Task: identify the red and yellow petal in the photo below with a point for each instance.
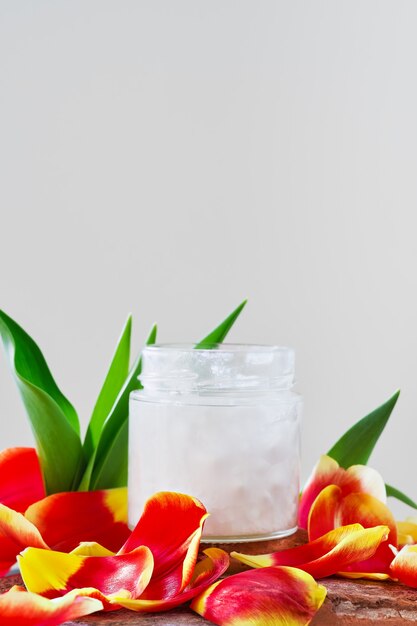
(16, 533)
(377, 567)
(332, 509)
(406, 532)
(321, 519)
(91, 548)
(329, 554)
(209, 569)
(66, 519)
(21, 607)
(171, 527)
(404, 566)
(21, 482)
(356, 479)
(51, 573)
(262, 597)
(362, 508)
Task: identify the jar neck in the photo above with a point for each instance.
(227, 369)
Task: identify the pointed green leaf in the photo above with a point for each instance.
(53, 419)
(356, 445)
(116, 376)
(218, 335)
(107, 455)
(114, 471)
(392, 492)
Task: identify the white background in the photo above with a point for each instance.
(169, 158)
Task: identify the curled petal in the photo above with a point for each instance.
(52, 574)
(332, 509)
(356, 479)
(66, 519)
(171, 526)
(206, 571)
(21, 482)
(404, 566)
(18, 529)
(407, 532)
(21, 607)
(368, 511)
(329, 554)
(271, 595)
(16, 533)
(91, 548)
(321, 519)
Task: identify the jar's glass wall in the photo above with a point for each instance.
(237, 452)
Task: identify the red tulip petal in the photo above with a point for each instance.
(364, 509)
(406, 533)
(170, 527)
(16, 533)
(404, 566)
(206, 572)
(321, 519)
(19, 607)
(331, 509)
(377, 567)
(51, 573)
(21, 482)
(66, 519)
(356, 479)
(18, 529)
(327, 555)
(90, 548)
(262, 597)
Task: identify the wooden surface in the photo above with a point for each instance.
(348, 602)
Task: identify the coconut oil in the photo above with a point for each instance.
(221, 425)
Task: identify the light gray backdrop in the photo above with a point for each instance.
(169, 158)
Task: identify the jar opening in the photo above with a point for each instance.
(222, 368)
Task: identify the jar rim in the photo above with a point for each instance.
(183, 368)
(221, 347)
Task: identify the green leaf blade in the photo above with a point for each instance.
(53, 419)
(109, 455)
(392, 492)
(356, 445)
(116, 376)
(218, 335)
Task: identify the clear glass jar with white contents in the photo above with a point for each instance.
(222, 425)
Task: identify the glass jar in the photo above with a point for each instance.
(222, 425)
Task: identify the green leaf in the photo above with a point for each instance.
(219, 334)
(111, 454)
(392, 492)
(356, 445)
(53, 419)
(116, 376)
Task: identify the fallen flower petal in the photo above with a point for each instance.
(407, 532)
(332, 509)
(355, 479)
(262, 597)
(66, 519)
(171, 527)
(16, 533)
(327, 555)
(206, 571)
(404, 566)
(17, 528)
(21, 482)
(51, 573)
(20, 607)
(91, 548)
